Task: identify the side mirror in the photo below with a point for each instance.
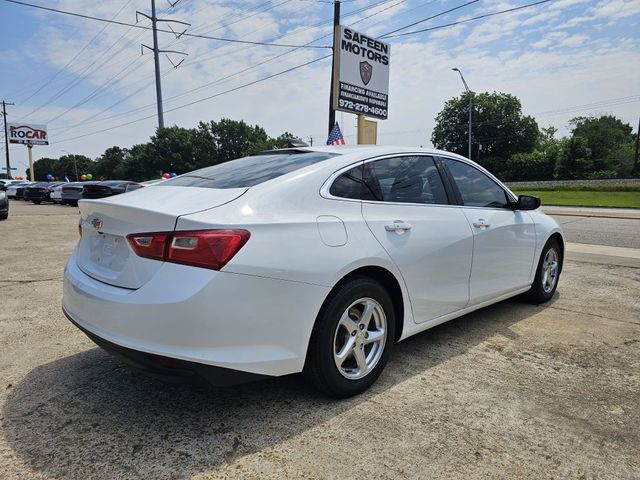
(526, 202)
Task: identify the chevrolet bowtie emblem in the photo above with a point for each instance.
(96, 223)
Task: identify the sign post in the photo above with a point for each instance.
(31, 175)
(361, 76)
(28, 135)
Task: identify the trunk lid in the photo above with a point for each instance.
(104, 252)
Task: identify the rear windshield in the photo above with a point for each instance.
(248, 171)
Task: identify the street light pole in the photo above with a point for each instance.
(470, 106)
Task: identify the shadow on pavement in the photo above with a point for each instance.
(88, 416)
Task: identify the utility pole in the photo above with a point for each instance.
(336, 24)
(636, 161)
(6, 136)
(156, 53)
(470, 94)
(156, 61)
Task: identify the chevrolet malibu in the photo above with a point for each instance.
(313, 260)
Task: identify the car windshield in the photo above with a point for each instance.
(248, 171)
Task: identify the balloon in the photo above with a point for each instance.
(52, 178)
(83, 177)
(49, 177)
(166, 175)
(89, 176)
(174, 174)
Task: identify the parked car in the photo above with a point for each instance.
(109, 188)
(4, 204)
(15, 191)
(313, 260)
(5, 182)
(72, 192)
(56, 194)
(40, 192)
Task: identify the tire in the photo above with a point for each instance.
(339, 332)
(73, 203)
(63, 202)
(37, 202)
(4, 216)
(547, 273)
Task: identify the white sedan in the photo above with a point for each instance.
(313, 260)
(56, 194)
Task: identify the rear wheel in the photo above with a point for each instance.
(73, 203)
(352, 339)
(37, 202)
(547, 274)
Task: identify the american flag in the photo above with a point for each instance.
(335, 137)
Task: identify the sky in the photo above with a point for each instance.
(90, 84)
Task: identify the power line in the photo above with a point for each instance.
(509, 10)
(133, 25)
(83, 75)
(429, 18)
(221, 80)
(201, 99)
(52, 78)
(110, 83)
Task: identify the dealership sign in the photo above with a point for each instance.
(27, 134)
(361, 68)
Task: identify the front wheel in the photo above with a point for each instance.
(547, 274)
(37, 202)
(352, 339)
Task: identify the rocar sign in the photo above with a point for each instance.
(27, 134)
(362, 74)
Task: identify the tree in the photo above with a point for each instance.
(499, 128)
(73, 166)
(606, 137)
(43, 167)
(575, 160)
(109, 162)
(229, 139)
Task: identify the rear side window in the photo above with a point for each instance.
(476, 189)
(406, 180)
(248, 171)
(351, 184)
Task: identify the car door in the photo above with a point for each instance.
(504, 239)
(407, 210)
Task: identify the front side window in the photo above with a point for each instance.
(476, 188)
(410, 179)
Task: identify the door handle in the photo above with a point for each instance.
(397, 226)
(481, 223)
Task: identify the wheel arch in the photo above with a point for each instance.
(388, 280)
(557, 236)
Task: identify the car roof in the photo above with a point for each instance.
(369, 150)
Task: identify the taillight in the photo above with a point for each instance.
(199, 248)
(149, 245)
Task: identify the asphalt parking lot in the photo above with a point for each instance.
(511, 391)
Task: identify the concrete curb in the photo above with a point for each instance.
(622, 214)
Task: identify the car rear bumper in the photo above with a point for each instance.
(238, 322)
(171, 369)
